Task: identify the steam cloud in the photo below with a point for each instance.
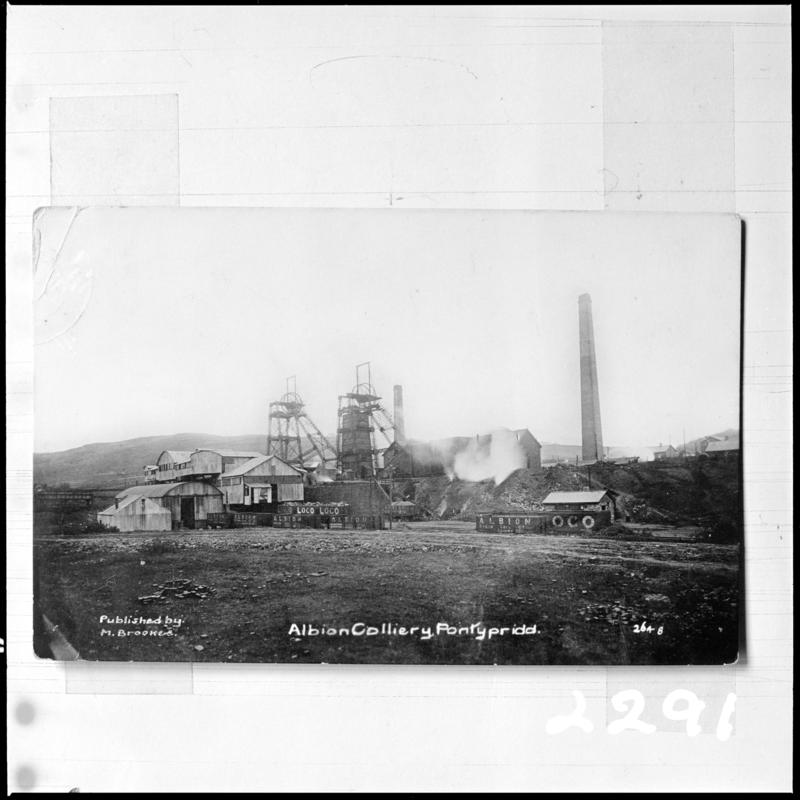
(495, 456)
(315, 474)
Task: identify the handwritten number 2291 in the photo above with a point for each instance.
(681, 705)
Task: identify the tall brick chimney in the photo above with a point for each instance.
(399, 419)
(591, 429)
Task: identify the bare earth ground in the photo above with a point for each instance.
(584, 595)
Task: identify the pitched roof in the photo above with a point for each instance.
(177, 456)
(243, 469)
(594, 496)
(124, 502)
(230, 453)
(723, 446)
(161, 489)
(521, 431)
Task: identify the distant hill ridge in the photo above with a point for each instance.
(107, 464)
(110, 463)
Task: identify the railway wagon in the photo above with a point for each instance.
(333, 510)
(239, 519)
(295, 521)
(511, 523)
(220, 519)
(327, 521)
(543, 522)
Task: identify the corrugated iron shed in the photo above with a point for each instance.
(125, 501)
(230, 453)
(164, 489)
(250, 465)
(175, 456)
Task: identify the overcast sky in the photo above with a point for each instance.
(158, 321)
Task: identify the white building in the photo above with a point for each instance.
(263, 479)
(136, 513)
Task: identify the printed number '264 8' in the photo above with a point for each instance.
(646, 627)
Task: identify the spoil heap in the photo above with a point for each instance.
(703, 491)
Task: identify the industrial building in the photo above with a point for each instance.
(203, 464)
(727, 448)
(577, 502)
(415, 459)
(188, 503)
(136, 513)
(301, 464)
(528, 443)
(361, 415)
(702, 444)
(245, 478)
(262, 480)
(363, 497)
(662, 453)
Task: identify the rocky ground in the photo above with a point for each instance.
(238, 593)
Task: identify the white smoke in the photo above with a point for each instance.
(317, 474)
(495, 456)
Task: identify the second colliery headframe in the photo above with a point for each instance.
(366, 429)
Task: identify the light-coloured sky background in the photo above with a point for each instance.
(192, 319)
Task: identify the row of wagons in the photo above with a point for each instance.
(306, 515)
(547, 522)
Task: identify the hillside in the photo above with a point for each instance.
(113, 463)
(570, 453)
(108, 464)
(693, 445)
(705, 491)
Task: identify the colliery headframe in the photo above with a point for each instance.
(371, 452)
(293, 436)
(361, 416)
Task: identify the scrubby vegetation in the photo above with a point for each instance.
(701, 492)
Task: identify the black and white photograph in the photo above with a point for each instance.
(354, 436)
(399, 398)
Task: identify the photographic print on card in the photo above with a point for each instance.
(387, 436)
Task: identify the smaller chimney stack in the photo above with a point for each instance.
(399, 419)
